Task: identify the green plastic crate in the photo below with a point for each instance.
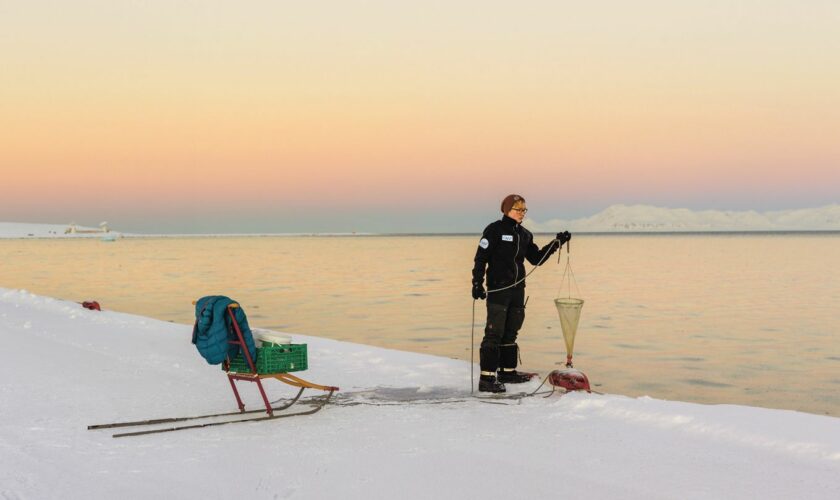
(278, 358)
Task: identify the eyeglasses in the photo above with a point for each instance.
(520, 210)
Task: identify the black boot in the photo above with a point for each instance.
(514, 377)
(509, 356)
(488, 383)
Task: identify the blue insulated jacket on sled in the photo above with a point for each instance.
(213, 329)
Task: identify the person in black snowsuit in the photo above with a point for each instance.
(502, 251)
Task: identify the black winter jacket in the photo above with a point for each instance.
(502, 250)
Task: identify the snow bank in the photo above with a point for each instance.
(404, 425)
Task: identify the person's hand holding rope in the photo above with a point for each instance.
(478, 292)
(563, 237)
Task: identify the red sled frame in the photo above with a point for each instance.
(257, 378)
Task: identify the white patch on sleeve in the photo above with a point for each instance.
(507, 237)
(484, 243)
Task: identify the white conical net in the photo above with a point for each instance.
(569, 311)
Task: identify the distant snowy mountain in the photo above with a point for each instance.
(616, 218)
(647, 218)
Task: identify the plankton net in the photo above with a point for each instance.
(568, 308)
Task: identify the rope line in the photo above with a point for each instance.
(500, 399)
(472, 351)
(568, 269)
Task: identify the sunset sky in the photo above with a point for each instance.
(212, 116)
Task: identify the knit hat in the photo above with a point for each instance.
(509, 201)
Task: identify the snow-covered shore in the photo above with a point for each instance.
(403, 425)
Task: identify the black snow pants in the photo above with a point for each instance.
(505, 315)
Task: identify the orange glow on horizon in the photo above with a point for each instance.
(342, 106)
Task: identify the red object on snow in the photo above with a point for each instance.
(570, 379)
(92, 305)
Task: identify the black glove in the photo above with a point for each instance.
(478, 291)
(563, 237)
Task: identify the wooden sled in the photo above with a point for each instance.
(254, 376)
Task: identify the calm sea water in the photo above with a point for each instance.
(741, 318)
